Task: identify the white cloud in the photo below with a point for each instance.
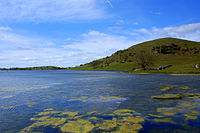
(24, 50)
(96, 44)
(50, 10)
(155, 13)
(188, 31)
(136, 23)
(93, 33)
(120, 22)
(5, 29)
(10, 39)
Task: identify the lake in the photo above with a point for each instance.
(96, 101)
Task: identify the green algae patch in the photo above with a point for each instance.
(90, 113)
(131, 119)
(31, 104)
(49, 109)
(44, 122)
(93, 118)
(70, 114)
(11, 107)
(108, 124)
(124, 112)
(5, 97)
(26, 88)
(184, 88)
(77, 99)
(75, 122)
(195, 112)
(168, 111)
(128, 128)
(4, 91)
(84, 97)
(167, 88)
(49, 113)
(192, 117)
(97, 99)
(51, 118)
(167, 96)
(189, 105)
(158, 116)
(79, 126)
(165, 120)
(192, 95)
(111, 98)
(78, 117)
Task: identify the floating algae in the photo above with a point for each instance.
(10, 107)
(168, 88)
(191, 106)
(5, 97)
(158, 116)
(131, 119)
(101, 98)
(193, 117)
(84, 97)
(111, 98)
(31, 104)
(78, 99)
(49, 113)
(129, 128)
(23, 88)
(93, 112)
(108, 124)
(167, 96)
(192, 95)
(124, 112)
(170, 111)
(89, 122)
(50, 118)
(165, 120)
(40, 118)
(93, 118)
(194, 112)
(79, 126)
(4, 91)
(70, 114)
(49, 109)
(184, 88)
(44, 122)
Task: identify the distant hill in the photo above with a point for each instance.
(35, 68)
(182, 54)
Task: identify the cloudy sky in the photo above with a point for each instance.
(72, 32)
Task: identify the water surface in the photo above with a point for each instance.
(26, 94)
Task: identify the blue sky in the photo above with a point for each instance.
(73, 32)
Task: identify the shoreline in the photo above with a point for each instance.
(129, 72)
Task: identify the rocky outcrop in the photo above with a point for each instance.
(167, 96)
(158, 68)
(197, 66)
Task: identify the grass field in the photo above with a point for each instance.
(182, 58)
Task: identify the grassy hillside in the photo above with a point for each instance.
(182, 54)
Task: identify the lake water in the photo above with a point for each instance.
(87, 101)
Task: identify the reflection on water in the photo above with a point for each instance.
(75, 101)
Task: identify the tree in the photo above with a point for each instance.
(143, 58)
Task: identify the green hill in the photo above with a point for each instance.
(181, 54)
